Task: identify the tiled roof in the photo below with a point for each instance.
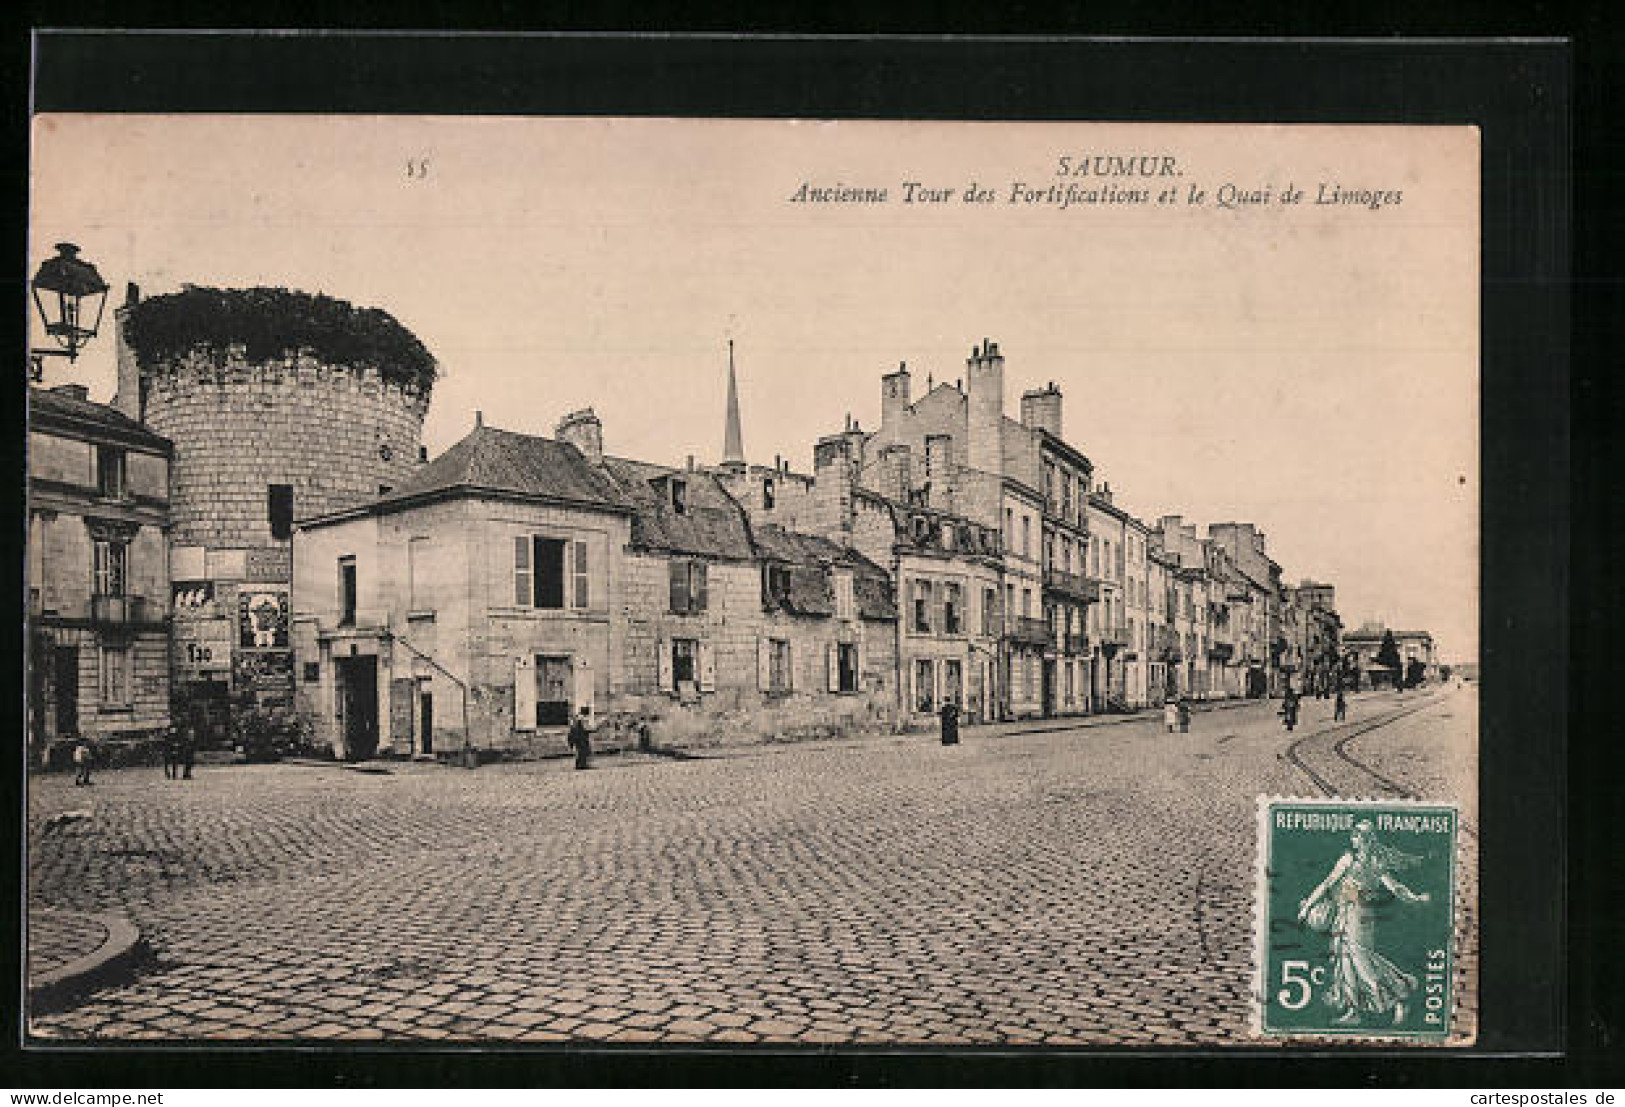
(48, 409)
(493, 460)
(711, 523)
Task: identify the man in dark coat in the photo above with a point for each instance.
(580, 738)
(950, 723)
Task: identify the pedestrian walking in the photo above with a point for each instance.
(188, 750)
(1340, 707)
(580, 738)
(1184, 714)
(1289, 709)
(1170, 715)
(172, 753)
(81, 763)
(950, 723)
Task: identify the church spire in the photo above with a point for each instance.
(733, 444)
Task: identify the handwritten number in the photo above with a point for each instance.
(417, 168)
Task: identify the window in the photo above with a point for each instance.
(581, 590)
(688, 587)
(845, 608)
(549, 573)
(279, 510)
(115, 676)
(347, 587)
(922, 607)
(417, 584)
(925, 686)
(778, 665)
(1009, 527)
(952, 608)
(679, 496)
(1010, 599)
(1026, 536)
(846, 662)
(767, 494)
(555, 680)
(110, 472)
(684, 652)
(990, 610)
(111, 567)
(1026, 603)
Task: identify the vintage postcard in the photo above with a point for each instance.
(586, 581)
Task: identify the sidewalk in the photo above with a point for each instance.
(1076, 722)
(71, 953)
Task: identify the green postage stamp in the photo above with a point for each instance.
(1356, 905)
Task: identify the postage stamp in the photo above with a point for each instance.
(1355, 906)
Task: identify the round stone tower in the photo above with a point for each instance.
(281, 406)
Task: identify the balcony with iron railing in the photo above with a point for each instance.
(1072, 585)
(1114, 636)
(1028, 631)
(119, 611)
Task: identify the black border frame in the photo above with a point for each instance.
(1518, 92)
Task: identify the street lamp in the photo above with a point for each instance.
(68, 292)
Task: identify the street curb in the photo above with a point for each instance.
(123, 948)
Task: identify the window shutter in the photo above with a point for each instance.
(832, 667)
(679, 587)
(585, 694)
(857, 682)
(522, 594)
(789, 666)
(764, 665)
(663, 664)
(700, 597)
(582, 594)
(707, 662)
(524, 693)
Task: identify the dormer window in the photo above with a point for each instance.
(679, 495)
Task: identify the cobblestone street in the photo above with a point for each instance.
(1066, 886)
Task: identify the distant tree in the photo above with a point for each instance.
(1444, 672)
(1388, 652)
(1415, 671)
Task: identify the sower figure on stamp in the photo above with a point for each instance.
(1363, 980)
(580, 738)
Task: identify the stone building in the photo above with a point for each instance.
(517, 579)
(953, 458)
(280, 405)
(474, 604)
(1363, 643)
(1108, 630)
(97, 573)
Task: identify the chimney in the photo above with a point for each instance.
(127, 397)
(896, 468)
(939, 470)
(894, 395)
(583, 430)
(984, 430)
(834, 478)
(1041, 409)
(479, 418)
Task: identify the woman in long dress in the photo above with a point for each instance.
(1363, 980)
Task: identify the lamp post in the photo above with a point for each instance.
(68, 292)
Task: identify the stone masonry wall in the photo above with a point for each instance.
(333, 433)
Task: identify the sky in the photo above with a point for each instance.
(1309, 367)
